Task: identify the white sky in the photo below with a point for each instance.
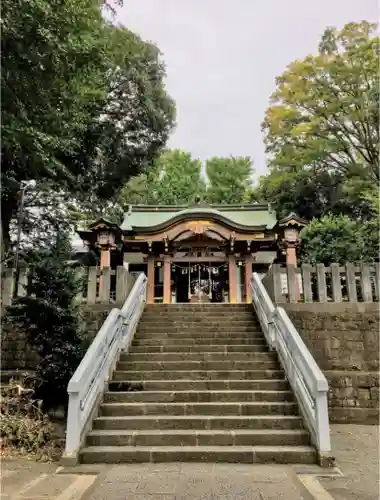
(222, 57)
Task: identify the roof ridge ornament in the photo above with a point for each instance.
(199, 201)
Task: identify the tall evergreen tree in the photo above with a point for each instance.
(229, 179)
(174, 179)
(50, 318)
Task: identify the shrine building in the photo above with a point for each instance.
(198, 253)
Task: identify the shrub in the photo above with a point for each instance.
(337, 238)
(22, 423)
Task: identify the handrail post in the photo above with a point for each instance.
(272, 332)
(322, 419)
(73, 430)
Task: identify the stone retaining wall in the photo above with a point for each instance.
(344, 340)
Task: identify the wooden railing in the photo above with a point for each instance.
(106, 286)
(334, 283)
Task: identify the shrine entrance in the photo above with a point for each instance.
(200, 282)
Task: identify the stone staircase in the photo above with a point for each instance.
(198, 384)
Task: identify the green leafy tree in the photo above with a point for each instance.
(50, 318)
(52, 65)
(337, 238)
(312, 194)
(229, 179)
(137, 191)
(134, 123)
(84, 104)
(174, 179)
(324, 118)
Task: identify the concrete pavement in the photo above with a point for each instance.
(355, 447)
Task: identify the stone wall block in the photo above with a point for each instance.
(375, 393)
(374, 380)
(364, 393)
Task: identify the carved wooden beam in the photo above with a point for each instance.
(232, 241)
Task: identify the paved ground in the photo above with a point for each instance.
(197, 481)
(355, 447)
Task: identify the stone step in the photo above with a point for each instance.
(198, 312)
(198, 375)
(159, 357)
(190, 437)
(196, 396)
(183, 338)
(190, 329)
(199, 341)
(263, 364)
(183, 307)
(257, 346)
(200, 385)
(196, 319)
(213, 408)
(205, 422)
(227, 454)
(221, 334)
(199, 319)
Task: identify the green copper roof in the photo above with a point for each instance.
(147, 218)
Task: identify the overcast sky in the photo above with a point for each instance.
(222, 57)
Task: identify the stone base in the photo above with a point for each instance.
(196, 299)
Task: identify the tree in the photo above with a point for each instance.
(52, 64)
(324, 116)
(134, 123)
(84, 104)
(174, 179)
(229, 179)
(312, 194)
(49, 317)
(337, 238)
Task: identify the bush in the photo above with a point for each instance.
(23, 426)
(337, 238)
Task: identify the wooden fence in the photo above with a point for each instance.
(106, 286)
(319, 283)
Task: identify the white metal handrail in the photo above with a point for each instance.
(304, 375)
(91, 376)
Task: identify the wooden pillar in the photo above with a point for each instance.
(232, 278)
(291, 258)
(167, 280)
(105, 257)
(248, 277)
(105, 261)
(150, 280)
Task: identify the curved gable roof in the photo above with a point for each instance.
(247, 217)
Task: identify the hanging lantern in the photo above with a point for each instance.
(158, 264)
(291, 234)
(105, 237)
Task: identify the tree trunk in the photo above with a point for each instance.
(8, 211)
